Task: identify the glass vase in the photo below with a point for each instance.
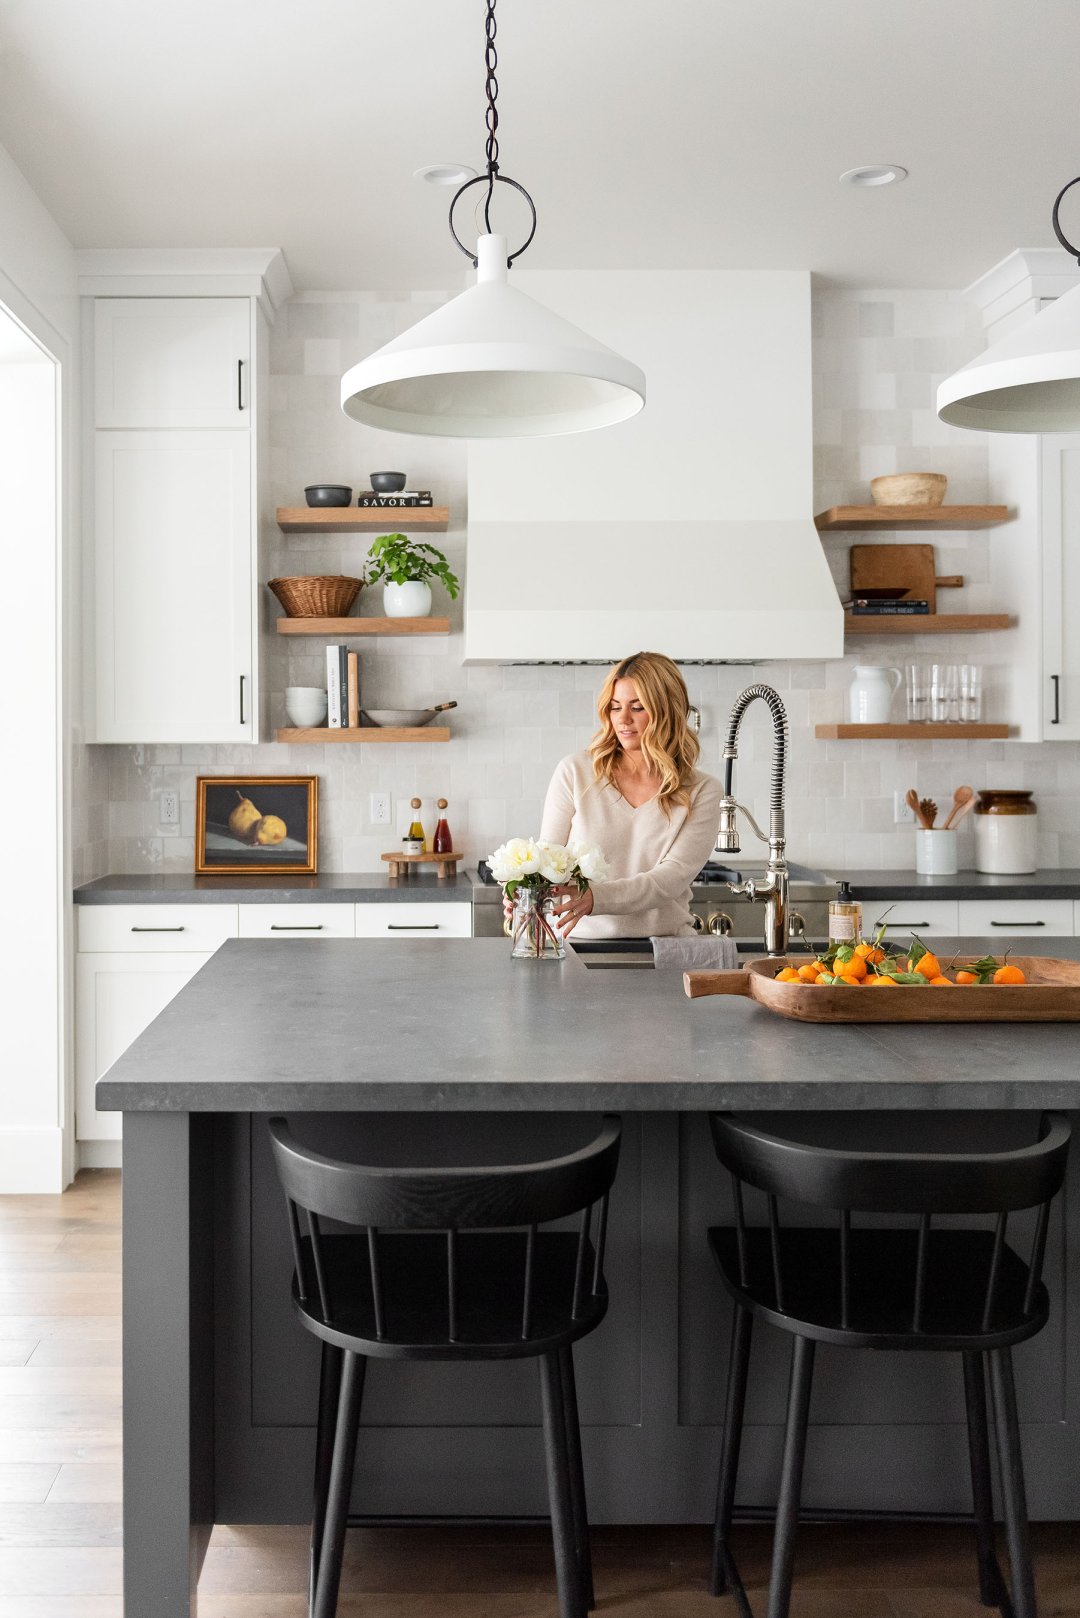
(533, 929)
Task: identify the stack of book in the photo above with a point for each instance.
(407, 497)
(342, 688)
(863, 608)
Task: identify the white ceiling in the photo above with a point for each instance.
(696, 133)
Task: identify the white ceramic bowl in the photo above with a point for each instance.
(306, 705)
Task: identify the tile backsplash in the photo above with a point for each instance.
(878, 357)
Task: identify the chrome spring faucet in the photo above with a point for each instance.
(773, 888)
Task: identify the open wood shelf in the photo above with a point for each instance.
(927, 623)
(363, 626)
(856, 519)
(362, 519)
(912, 732)
(364, 733)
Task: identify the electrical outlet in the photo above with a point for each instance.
(902, 814)
(380, 808)
(169, 809)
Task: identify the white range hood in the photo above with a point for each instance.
(686, 530)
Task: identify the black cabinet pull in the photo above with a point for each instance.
(1055, 680)
(243, 677)
(296, 926)
(1018, 924)
(412, 926)
(922, 924)
(157, 929)
(239, 384)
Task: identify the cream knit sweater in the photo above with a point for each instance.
(653, 857)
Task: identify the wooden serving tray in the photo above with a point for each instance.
(1051, 994)
(447, 863)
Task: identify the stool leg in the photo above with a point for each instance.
(1011, 1460)
(982, 1493)
(738, 1366)
(341, 1471)
(577, 1475)
(572, 1603)
(787, 1508)
(329, 1392)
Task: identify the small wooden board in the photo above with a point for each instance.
(1051, 994)
(875, 567)
(447, 863)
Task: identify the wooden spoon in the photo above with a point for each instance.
(958, 814)
(929, 812)
(961, 796)
(914, 804)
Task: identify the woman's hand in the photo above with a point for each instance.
(570, 906)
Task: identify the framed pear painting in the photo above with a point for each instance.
(258, 824)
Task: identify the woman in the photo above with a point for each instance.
(636, 794)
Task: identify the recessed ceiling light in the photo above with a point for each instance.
(874, 174)
(445, 173)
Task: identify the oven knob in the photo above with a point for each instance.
(698, 922)
(720, 922)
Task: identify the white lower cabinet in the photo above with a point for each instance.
(929, 918)
(409, 920)
(1017, 918)
(297, 921)
(116, 997)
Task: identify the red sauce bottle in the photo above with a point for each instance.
(443, 843)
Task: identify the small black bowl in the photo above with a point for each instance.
(387, 482)
(327, 494)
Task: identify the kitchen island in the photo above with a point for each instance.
(419, 1052)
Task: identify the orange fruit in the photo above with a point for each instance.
(966, 977)
(863, 949)
(809, 973)
(849, 977)
(880, 981)
(1009, 974)
(855, 968)
(941, 982)
(788, 975)
(927, 966)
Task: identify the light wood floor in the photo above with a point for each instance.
(60, 1528)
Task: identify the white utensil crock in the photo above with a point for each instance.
(870, 694)
(409, 600)
(935, 852)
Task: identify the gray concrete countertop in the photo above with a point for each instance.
(1064, 884)
(335, 887)
(357, 1025)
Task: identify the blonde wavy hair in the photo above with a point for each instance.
(670, 747)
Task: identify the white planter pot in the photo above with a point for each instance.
(409, 600)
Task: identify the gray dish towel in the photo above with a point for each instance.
(709, 953)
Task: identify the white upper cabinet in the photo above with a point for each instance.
(1060, 477)
(172, 362)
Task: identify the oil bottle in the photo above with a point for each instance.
(442, 843)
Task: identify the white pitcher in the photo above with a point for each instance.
(871, 693)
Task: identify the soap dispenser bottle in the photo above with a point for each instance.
(845, 916)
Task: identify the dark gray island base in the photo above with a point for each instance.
(424, 1052)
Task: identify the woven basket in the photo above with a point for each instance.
(324, 595)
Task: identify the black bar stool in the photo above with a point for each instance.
(962, 1290)
(448, 1264)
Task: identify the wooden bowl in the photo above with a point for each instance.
(909, 489)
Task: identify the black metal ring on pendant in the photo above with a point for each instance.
(484, 179)
(1058, 232)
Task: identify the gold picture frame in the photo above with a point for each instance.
(277, 835)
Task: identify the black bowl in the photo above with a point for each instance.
(327, 494)
(387, 482)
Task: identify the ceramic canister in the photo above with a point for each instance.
(1006, 832)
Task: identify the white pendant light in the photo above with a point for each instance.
(493, 362)
(1029, 382)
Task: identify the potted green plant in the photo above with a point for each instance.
(405, 566)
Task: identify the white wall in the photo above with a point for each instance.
(38, 406)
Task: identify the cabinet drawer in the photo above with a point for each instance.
(1047, 918)
(930, 918)
(414, 921)
(143, 929)
(297, 921)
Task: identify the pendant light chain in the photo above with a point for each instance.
(491, 115)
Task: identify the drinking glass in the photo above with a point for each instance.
(970, 675)
(944, 693)
(917, 677)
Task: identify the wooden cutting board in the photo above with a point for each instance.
(1051, 994)
(876, 567)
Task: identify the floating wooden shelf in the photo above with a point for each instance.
(363, 626)
(911, 732)
(855, 519)
(927, 623)
(361, 519)
(365, 733)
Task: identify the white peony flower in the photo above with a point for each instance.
(590, 862)
(515, 859)
(556, 862)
